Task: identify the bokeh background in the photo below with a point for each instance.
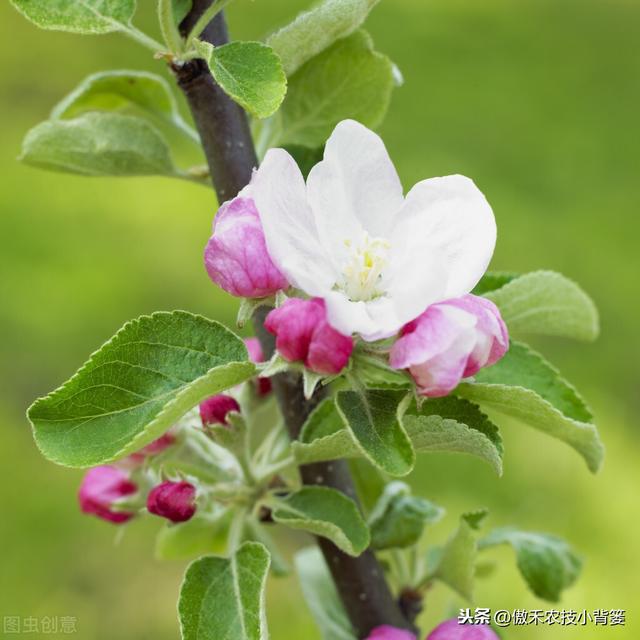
(537, 100)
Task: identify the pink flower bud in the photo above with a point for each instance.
(450, 341)
(255, 355)
(173, 500)
(101, 487)
(236, 255)
(303, 334)
(156, 447)
(214, 410)
(451, 630)
(385, 632)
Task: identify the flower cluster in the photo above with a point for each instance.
(371, 263)
(116, 492)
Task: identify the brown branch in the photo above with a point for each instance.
(228, 147)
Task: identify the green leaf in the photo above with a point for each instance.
(224, 598)
(527, 387)
(316, 29)
(493, 280)
(78, 16)
(454, 425)
(548, 303)
(327, 513)
(323, 421)
(136, 386)
(99, 144)
(305, 157)
(347, 80)
(180, 9)
(372, 418)
(258, 532)
(116, 90)
(324, 436)
(321, 596)
(547, 563)
(198, 536)
(457, 560)
(398, 519)
(373, 373)
(442, 424)
(369, 482)
(249, 72)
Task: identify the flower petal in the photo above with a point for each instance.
(451, 218)
(290, 231)
(236, 256)
(373, 320)
(431, 334)
(354, 188)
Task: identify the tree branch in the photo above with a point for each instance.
(221, 123)
(231, 157)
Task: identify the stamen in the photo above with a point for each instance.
(363, 269)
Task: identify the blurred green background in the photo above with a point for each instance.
(537, 100)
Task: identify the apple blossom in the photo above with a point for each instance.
(450, 341)
(303, 334)
(263, 385)
(173, 500)
(236, 257)
(386, 632)
(350, 237)
(452, 630)
(214, 410)
(101, 488)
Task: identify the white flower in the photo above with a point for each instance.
(349, 236)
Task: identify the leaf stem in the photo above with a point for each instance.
(168, 26)
(205, 19)
(141, 38)
(272, 470)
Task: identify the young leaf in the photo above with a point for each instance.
(249, 72)
(99, 144)
(194, 538)
(548, 303)
(457, 560)
(375, 374)
(443, 424)
(224, 598)
(136, 386)
(321, 596)
(373, 421)
(527, 387)
(305, 157)
(78, 16)
(323, 421)
(493, 280)
(369, 482)
(258, 532)
(548, 564)
(327, 513)
(347, 80)
(180, 9)
(398, 519)
(115, 90)
(454, 425)
(316, 29)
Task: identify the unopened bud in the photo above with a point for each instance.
(214, 410)
(102, 487)
(173, 500)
